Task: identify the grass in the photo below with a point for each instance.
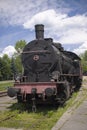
(5, 84)
(44, 119)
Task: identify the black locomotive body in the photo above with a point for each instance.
(50, 73)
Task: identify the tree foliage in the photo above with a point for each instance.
(10, 67)
(20, 45)
(5, 68)
(84, 62)
(17, 56)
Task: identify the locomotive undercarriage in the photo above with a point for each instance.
(58, 93)
(34, 99)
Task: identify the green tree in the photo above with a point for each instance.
(84, 61)
(19, 48)
(20, 45)
(1, 67)
(5, 71)
(13, 67)
(10, 67)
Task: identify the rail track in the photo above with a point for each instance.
(7, 118)
(3, 93)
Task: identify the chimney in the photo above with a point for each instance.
(39, 29)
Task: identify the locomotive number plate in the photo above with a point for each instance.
(36, 57)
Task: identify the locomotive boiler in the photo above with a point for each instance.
(50, 74)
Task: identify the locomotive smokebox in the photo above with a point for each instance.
(39, 29)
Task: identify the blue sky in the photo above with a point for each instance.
(65, 21)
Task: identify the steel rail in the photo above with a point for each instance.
(3, 93)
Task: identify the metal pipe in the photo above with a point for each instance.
(39, 29)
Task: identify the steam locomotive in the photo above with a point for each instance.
(50, 75)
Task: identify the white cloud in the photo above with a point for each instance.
(74, 36)
(49, 18)
(9, 50)
(60, 26)
(53, 14)
(18, 11)
(81, 49)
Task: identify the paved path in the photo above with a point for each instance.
(2, 128)
(77, 121)
(6, 102)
